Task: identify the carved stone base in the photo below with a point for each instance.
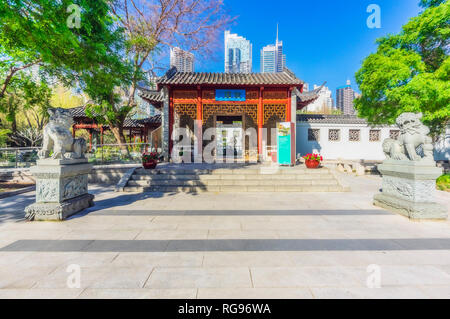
(412, 210)
(409, 189)
(58, 211)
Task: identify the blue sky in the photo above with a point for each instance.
(324, 40)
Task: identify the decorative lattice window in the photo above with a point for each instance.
(274, 111)
(394, 134)
(374, 135)
(313, 135)
(334, 135)
(354, 135)
(186, 109)
(230, 109)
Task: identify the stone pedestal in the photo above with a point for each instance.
(61, 189)
(409, 189)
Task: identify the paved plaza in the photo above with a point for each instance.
(211, 245)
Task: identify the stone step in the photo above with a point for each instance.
(234, 189)
(273, 177)
(181, 183)
(239, 172)
(221, 182)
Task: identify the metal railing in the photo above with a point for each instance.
(18, 157)
(101, 154)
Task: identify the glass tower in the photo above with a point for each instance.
(272, 58)
(238, 54)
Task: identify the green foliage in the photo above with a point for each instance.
(430, 3)
(4, 136)
(38, 31)
(22, 94)
(88, 56)
(443, 183)
(410, 71)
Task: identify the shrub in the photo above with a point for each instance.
(443, 183)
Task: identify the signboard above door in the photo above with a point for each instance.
(230, 95)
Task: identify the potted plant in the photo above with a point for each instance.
(150, 160)
(313, 160)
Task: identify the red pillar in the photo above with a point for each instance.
(199, 133)
(293, 126)
(90, 139)
(101, 134)
(171, 120)
(260, 121)
(289, 110)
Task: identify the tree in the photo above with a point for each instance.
(41, 33)
(151, 27)
(79, 54)
(25, 103)
(410, 71)
(65, 98)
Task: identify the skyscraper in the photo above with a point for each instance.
(238, 54)
(272, 58)
(344, 99)
(324, 103)
(182, 60)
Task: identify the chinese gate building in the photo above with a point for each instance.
(230, 104)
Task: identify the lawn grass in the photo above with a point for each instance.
(443, 183)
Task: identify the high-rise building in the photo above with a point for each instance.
(272, 58)
(182, 60)
(344, 99)
(324, 103)
(238, 54)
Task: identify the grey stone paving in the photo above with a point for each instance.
(229, 246)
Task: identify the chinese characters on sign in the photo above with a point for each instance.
(230, 95)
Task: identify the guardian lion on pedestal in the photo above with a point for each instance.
(58, 138)
(413, 137)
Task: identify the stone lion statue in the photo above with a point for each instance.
(413, 143)
(57, 137)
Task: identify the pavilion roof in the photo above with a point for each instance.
(79, 112)
(306, 98)
(151, 95)
(173, 77)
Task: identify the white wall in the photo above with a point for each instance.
(362, 150)
(343, 149)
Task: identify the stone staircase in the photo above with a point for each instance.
(233, 180)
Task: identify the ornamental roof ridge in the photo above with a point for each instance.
(173, 77)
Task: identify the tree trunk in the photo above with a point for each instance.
(117, 130)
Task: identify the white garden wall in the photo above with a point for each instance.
(360, 150)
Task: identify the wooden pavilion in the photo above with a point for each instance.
(136, 128)
(215, 100)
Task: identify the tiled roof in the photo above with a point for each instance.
(306, 98)
(151, 96)
(129, 123)
(172, 77)
(330, 119)
(152, 120)
(78, 111)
